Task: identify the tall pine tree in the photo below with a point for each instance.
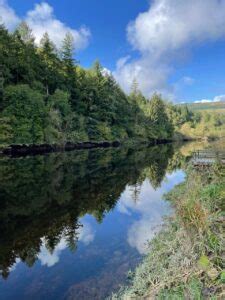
(69, 67)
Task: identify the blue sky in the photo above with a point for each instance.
(106, 19)
(174, 47)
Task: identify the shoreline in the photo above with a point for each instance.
(33, 149)
(186, 258)
(23, 150)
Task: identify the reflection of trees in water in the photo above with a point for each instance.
(156, 170)
(136, 190)
(44, 196)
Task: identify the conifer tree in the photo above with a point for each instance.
(51, 64)
(69, 66)
(160, 121)
(25, 33)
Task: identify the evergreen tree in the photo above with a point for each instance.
(69, 66)
(51, 64)
(24, 31)
(25, 62)
(160, 122)
(134, 88)
(47, 97)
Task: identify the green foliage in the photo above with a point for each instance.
(161, 125)
(192, 290)
(204, 262)
(26, 112)
(222, 277)
(77, 104)
(196, 121)
(51, 64)
(5, 130)
(25, 33)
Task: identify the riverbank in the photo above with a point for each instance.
(186, 259)
(33, 149)
(17, 150)
(20, 150)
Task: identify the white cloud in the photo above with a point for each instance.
(148, 73)
(143, 231)
(86, 233)
(8, 15)
(42, 19)
(50, 259)
(122, 61)
(163, 33)
(215, 99)
(106, 72)
(187, 80)
(151, 209)
(13, 267)
(203, 101)
(170, 24)
(219, 98)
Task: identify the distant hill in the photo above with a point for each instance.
(211, 106)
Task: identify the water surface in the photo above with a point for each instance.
(73, 224)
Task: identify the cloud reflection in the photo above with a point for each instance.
(150, 208)
(49, 259)
(13, 267)
(86, 233)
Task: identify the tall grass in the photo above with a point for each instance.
(186, 259)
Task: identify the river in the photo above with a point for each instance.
(73, 224)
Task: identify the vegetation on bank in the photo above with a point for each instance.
(207, 120)
(47, 97)
(208, 125)
(186, 259)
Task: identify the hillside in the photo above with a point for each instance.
(211, 106)
(206, 120)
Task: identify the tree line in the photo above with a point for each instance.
(47, 97)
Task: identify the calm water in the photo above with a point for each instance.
(73, 224)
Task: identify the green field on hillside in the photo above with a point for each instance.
(215, 106)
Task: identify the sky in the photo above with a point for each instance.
(174, 47)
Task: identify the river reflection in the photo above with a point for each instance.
(151, 209)
(72, 224)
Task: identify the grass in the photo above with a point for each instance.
(186, 259)
(216, 106)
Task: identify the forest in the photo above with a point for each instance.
(47, 97)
